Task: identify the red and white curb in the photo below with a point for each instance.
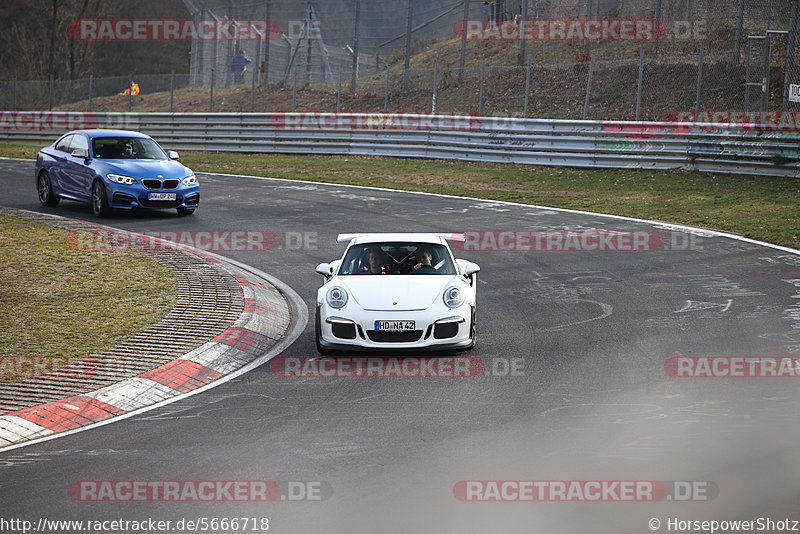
(263, 322)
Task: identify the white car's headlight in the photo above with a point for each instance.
(121, 179)
(453, 297)
(190, 180)
(336, 297)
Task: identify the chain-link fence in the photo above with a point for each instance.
(694, 67)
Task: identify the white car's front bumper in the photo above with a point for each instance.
(355, 329)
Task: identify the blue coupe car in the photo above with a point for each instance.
(114, 169)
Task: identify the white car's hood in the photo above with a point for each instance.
(396, 292)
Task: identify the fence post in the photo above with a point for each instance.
(639, 83)
(211, 93)
(587, 17)
(130, 92)
(435, 75)
(339, 94)
(253, 91)
(765, 71)
(91, 82)
(791, 46)
(51, 93)
(171, 89)
(354, 74)
(407, 59)
(522, 23)
(699, 81)
(386, 95)
(588, 87)
(463, 52)
(14, 105)
(480, 97)
(294, 92)
(738, 39)
(527, 88)
(265, 81)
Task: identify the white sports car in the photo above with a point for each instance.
(396, 291)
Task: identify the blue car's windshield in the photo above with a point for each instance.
(126, 148)
(397, 258)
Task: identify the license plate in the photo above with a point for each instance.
(394, 326)
(162, 196)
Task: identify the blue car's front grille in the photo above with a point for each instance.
(171, 184)
(151, 183)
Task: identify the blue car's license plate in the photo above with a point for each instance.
(161, 196)
(394, 326)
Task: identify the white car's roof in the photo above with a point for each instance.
(410, 237)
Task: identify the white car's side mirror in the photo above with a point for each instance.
(325, 269)
(468, 268)
(80, 153)
(173, 155)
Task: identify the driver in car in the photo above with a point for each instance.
(424, 258)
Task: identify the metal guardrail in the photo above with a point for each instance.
(762, 149)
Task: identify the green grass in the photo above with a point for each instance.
(58, 302)
(760, 207)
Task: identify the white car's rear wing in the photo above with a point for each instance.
(341, 238)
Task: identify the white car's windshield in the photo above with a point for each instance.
(397, 258)
(126, 148)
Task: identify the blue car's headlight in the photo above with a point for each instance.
(121, 179)
(453, 298)
(190, 180)
(336, 297)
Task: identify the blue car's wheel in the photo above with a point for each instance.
(45, 190)
(100, 206)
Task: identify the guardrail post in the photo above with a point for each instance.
(91, 80)
(527, 88)
(480, 96)
(435, 73)
(171, 88)
(588, 87)
(211, 93)
(639, 83)
(699, 81)
(386, 95)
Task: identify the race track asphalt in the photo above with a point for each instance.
(591, 400)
